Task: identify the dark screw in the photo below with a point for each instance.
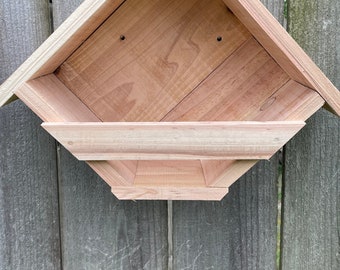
(219, 38)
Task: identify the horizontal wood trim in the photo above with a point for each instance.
(284, 49)
(51, 100)
(164, 173)
(169, 193)
(292, 102)
(173, 140)
(58, 47)
(223, 173)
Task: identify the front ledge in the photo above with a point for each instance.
(172, 160)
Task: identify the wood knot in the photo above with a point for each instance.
(267, 103)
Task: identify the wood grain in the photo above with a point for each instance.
(312, 177)
(97, 230)
(29, 218)
(175, 193)
(258, 97)
(53, 101)
(223, 173)
(240, 231)
(170, 180)
(235, 89)
(178, 140)
(312, 171)
(174, 173)
(169, 48)
(100, 232)
(286, 52)
(46, 95)
(242, 75)
(59, 45)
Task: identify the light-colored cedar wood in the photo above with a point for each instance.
(279, 100)
(52, 101)
(223, 173)
(169, 193)
(242, 227)
(46, 94)
(170, 173)
(170, 179)
(235, 90)
(128, 72)
(54, 51)
(115, 173)
(246, 70)
(282, 47)
(169, 48)
(97, 230)
(230, 31)
(173, 140)
(292, 102)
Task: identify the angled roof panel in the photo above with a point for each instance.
(60, 45)
(284, 49)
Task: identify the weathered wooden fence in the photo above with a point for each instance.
(55, 213)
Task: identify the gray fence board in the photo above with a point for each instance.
(312, 178)
(98, 231)
(29, 225)
(23, 27)
(62, 9)
(238, 233)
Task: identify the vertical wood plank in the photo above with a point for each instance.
(24, 26)
(100, 232)
(97, 230)
(62, 9)
(237, 233)
(29, 224)
(240, 231)
(312, 176)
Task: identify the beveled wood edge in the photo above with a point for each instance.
(284, 49)
(169, 193)
(235, 140)
(38, 93)
(60, 45)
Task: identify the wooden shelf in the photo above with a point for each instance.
(171, 100)
(174, 140)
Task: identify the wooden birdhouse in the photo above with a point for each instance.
(171, 99)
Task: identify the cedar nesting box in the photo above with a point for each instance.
(171, 99)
